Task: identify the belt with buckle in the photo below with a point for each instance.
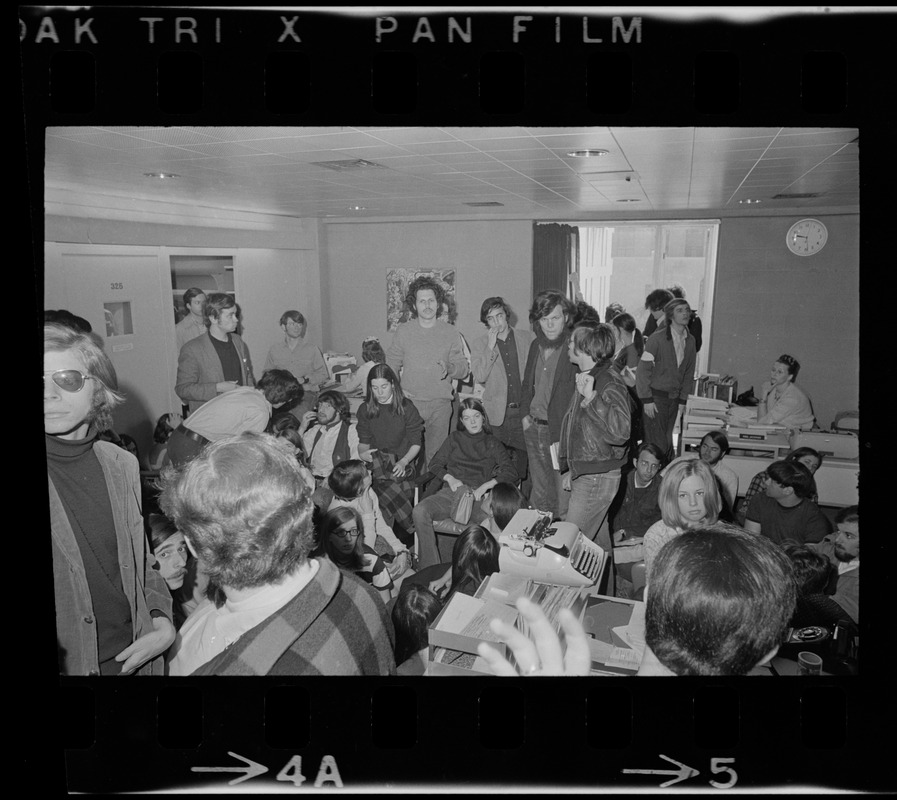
(196, 437)
(540, 421)
(513, 405)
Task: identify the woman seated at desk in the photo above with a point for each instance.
(783, 403)
(371, 355)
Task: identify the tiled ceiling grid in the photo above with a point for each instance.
(438, 171)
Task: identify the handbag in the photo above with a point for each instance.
(462, 504)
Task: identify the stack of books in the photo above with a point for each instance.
(717, 387)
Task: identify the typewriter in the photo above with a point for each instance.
(534, 547)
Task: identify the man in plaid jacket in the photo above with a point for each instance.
(246, 513)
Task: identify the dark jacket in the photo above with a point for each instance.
(594, 438)
(562, 390)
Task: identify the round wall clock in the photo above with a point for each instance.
(807, 237)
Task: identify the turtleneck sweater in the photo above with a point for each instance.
(81, 484)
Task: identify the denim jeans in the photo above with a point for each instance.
(590, 499)
(436, 507)
(547, 492)
(659, 430)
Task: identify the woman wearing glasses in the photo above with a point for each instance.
(113, 609)
(341, 539)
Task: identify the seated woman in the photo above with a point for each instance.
(688, 498)
(812, 573)
(340, 539)
(713, 448)
(371, 355)
(783, 403)
(173, 561)
(415, 608)
(471, 457)
(350, 482)
(390, 436)
(474, 558)
(165, 426)
(807, 456)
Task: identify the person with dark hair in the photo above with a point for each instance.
(415, 609)
(497, 360)
(350, 482)
(241, 410)
(584, 314)
(783, 403)
(330, 437)
(501, 504)
(165, 426)
(299, 357)
(67, 318)
(813, 573)
(390, 437)
(712, 449)
(807, 456)
(785, 512)
(665, 376)
(639, 506)
(629, 348)
(695, 327)
(194, 324)
(341, 539)
(655, 303)
(594, 435)
(216, 362)
(371, 355)
(842, 548)
(174, 564)
(246, 513)
(613, 310)
(471, 458)
(720, 604)
(549, 381)
(113, 609)
(428, 354)
(474, 558)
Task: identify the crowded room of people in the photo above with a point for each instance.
(453, 401)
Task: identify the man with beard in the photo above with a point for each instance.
(497, 360)
(843, 549)
(549, 381)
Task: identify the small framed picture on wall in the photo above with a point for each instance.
(397, 283)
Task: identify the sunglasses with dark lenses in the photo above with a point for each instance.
(69, 380)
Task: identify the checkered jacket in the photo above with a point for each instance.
(337, 625)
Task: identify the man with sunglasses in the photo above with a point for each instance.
(113, 609)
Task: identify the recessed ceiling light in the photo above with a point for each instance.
(629, 200)
(357, 208)
(750, 202)
(587, 153)
(160, 175)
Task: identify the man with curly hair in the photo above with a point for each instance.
(428, 355)
(245, 510)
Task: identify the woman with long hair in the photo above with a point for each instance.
(689, 497)
(470, 458)
(415, 608)
(390, 437)
(341, 539)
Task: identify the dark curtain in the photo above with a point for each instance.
(555, 256)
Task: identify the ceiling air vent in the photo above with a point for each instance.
(485, 204)
(797, 196)
(348, 166)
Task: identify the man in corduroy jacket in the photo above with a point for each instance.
(245, 510)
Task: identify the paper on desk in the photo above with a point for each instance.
(505, 588)
(599, 651)
(471, 617)
(624, 657)
(635, 630)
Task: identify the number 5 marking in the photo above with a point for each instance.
(716, 768)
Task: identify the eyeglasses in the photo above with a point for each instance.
(69, 380)
(349, 533)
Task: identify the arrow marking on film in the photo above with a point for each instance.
(681, 774)
(251, 769)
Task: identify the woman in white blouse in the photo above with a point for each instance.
(783, 403)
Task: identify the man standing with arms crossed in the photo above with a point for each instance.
(428, 355)
(497, 361)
